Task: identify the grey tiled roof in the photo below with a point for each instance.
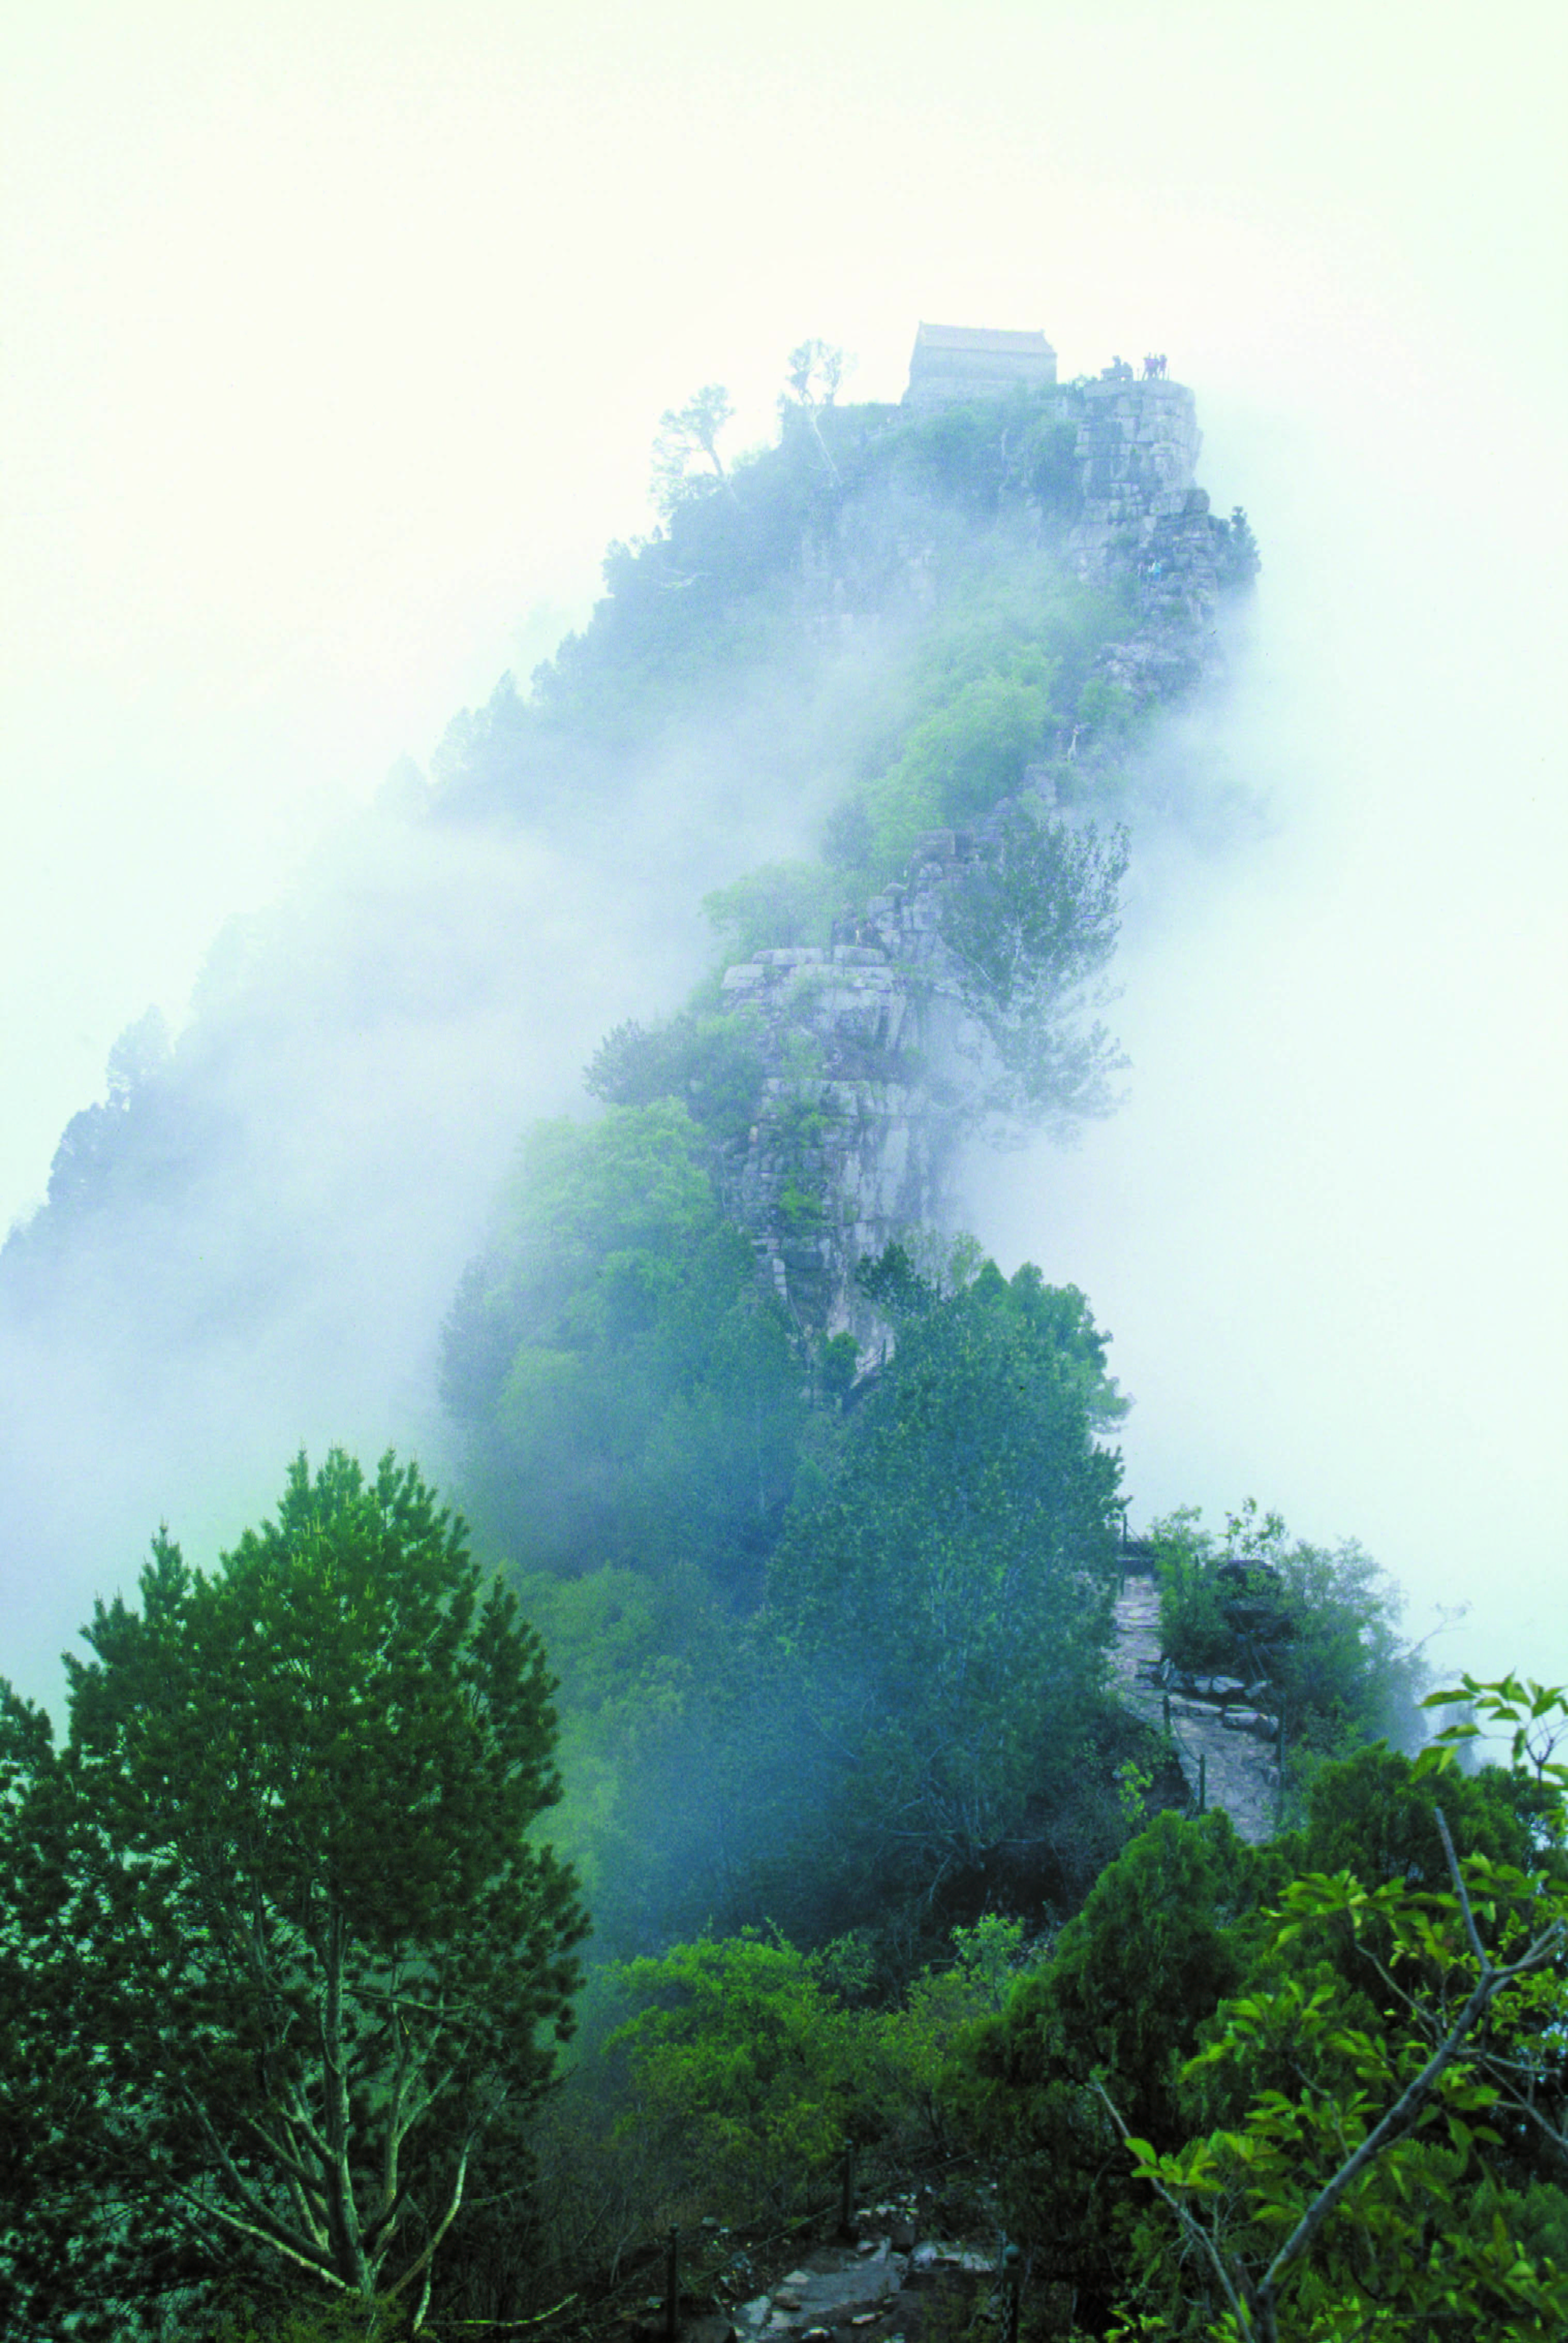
(982, 338)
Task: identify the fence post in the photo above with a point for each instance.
(1011, 2262)
(1202, 1780)
(672, 2286)
(847, 2191)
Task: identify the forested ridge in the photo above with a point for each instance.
(436, 1900)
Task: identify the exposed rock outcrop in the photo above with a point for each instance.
(867, 1048)
(855, 1135)
(1137, 448)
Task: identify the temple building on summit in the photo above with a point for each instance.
(962, 362)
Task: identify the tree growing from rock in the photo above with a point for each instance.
(1031, 927)
(816, 373)
(685, 458)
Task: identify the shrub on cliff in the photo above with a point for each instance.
(710, 1063)
(1319, 1625)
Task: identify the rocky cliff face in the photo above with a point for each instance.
(854, 1138)
(1137, 451)
(867, 1048)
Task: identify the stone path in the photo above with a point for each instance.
(883, 2290)
(1238, 1772)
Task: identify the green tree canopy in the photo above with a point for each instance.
(626, 1394)
(712, 1063)
(950, 1592)
(1120, 1997)
(307, 1948)
(1346, 2085)
(1391, 2076)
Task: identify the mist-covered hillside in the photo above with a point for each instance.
(596, 1121)
(876, 626)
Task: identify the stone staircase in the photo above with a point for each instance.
(1225, 1763)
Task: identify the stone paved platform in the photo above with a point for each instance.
(1239, 1772)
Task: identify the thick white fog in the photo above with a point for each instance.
(1326, 1227)
(337, 341)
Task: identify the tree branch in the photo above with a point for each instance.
(424, 2259)
(322, 2270)
(1189, 2220)
(1402, 2115)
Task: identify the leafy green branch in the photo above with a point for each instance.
(1332, 2188)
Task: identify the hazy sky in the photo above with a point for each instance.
(334, 340)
